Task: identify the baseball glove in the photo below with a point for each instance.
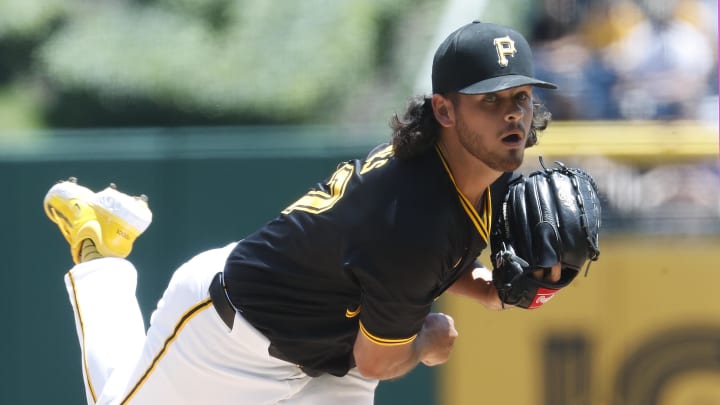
(550, 216)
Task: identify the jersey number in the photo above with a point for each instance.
(317, 201)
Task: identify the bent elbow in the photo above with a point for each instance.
(380, 362)
(371, 369)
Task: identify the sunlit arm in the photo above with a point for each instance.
(432, 346)
(478, 288)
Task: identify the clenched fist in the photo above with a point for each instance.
(436, 339)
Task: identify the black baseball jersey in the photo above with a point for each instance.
(368, 249)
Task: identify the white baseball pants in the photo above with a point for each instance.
(189, 355)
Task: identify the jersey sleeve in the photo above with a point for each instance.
(397, 295)
(400, 266)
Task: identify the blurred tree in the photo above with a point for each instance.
(193, 62)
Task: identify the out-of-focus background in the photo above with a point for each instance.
(224, 111)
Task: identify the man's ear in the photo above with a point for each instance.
(444, 110)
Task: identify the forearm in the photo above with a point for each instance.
(403, 365)
(480, 288)
(432, 346)
(393, 362)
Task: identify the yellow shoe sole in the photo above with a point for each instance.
(111, 219)
(68, 205)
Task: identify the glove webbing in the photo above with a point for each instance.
(572, 174)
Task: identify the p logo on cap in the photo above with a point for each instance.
(505, 47)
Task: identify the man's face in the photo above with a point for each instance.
(494, 127)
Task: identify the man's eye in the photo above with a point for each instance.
(490, 98)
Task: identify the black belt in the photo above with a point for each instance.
(220, 300)
(224, 308)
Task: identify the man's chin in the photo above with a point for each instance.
(510, 162)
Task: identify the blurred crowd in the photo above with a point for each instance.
(628, 59)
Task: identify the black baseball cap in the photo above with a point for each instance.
(483, 58)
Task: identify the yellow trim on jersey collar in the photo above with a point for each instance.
(482, 224)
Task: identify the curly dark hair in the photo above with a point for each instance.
(418, 129)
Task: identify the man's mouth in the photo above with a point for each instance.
(513, 139)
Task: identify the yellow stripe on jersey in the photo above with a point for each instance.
(352, 313)
(482, 224)
(82, 333)
(384, 341)
(181, 323)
